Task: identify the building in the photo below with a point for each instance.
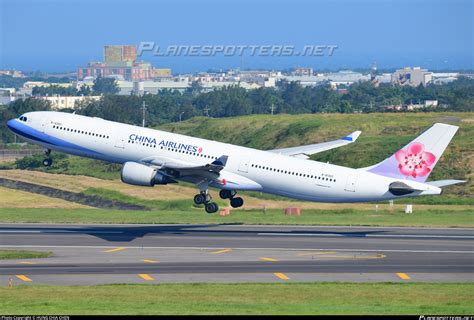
(122, 53)
(63, 102)
(12, 73)
(138, 71)
(120, 63)
(302, 72)
(412, 77)
(161, 73)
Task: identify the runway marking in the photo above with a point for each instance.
(403, 276)
(115, 250)
(27, 262)
(146, 277)
(221, 251)
(268, 259)
(315, 253)
(151, 261)
(19, 231)
(361, 236)
(247, 248)
(60, 231)
(23, 277)
(282, 276)
(354, 257)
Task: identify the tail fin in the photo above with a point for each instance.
(417, 159)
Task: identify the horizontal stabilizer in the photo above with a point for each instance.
(444, 183)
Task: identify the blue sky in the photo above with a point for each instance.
(54, 35)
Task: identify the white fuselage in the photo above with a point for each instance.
(272, 173)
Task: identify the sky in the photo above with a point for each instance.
(60, 35)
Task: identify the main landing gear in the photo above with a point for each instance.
(48, 161)
(235, 202)
(211, 207)
(205, 198)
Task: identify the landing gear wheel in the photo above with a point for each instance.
(226, 194)
(211, 207)
(47, 162)
(200, 199)
(236, 202)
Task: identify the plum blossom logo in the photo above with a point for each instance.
(415, 161)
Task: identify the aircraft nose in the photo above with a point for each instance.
(10, 124)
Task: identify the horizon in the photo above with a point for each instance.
(53, 36)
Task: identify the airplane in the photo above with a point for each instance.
(152, 157)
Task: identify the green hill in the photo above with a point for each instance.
(382, 135)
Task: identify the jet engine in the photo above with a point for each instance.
(142, 175)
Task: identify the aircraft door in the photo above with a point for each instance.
(120, 141)
(244, 165)
(44, 125)
(351, 182)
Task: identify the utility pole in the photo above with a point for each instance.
(144, 111)
(272, 108)
(180, 116)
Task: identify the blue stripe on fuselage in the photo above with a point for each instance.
(33, 134)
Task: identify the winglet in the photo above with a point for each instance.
(353, 136)
(221, 161)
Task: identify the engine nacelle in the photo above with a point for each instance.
(138, 174)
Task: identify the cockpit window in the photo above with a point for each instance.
(23, 118)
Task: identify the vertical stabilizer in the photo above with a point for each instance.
(416, 160)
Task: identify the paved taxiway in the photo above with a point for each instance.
(91, 254)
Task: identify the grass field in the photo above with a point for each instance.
(21, 254)
(288, 298)
(16, 198)
(460, 217)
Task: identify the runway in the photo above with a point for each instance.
(92, 254)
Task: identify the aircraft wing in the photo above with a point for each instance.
(215, 167)
(176, 169)
(305, 151)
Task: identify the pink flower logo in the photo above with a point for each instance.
(415, 161)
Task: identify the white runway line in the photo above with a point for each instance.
(58, 231)
(362, 236)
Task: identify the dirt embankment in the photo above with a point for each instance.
(89, 200)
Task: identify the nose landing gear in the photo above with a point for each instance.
(48, 161)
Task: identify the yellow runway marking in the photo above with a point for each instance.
(221, 251)
(26, 262)
(316, 253)
(403, 276)
(146, 277)
(151, 261)
(268, 259)
(23, 277)
(114, 250)
(282, 276)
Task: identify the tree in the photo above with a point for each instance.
(84, 91)
(344, 107)
(105, 86)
